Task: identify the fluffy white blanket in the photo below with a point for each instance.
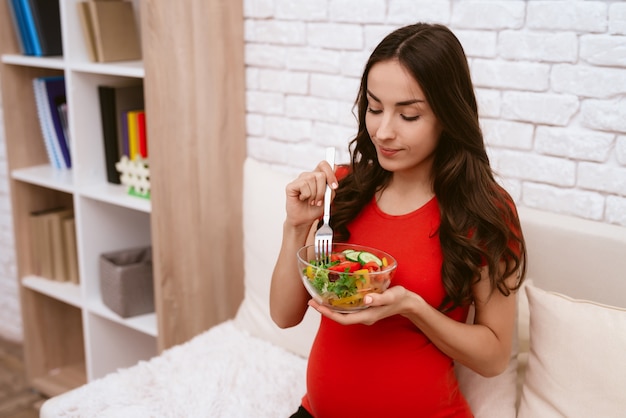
(204, 377)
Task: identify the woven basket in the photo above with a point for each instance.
(126, 282)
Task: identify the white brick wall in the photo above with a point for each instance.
(550, 79)
(10, 317)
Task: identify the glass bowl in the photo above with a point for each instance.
(352, 272)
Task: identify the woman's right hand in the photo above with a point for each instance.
(305, 195)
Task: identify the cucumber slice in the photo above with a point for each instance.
(365, 257)
(352, 255)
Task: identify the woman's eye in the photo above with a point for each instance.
(374, 111)
(410, 118)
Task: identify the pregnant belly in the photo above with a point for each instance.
(391, 370)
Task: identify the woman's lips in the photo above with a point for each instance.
(387, 152)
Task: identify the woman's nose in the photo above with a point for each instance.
(385, 128)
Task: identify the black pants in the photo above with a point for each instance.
(301, 413)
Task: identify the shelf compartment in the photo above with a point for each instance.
(106, 227)
(29, 198)
(53, 343)
(63, 291)
(24, 139)
(115, 346)
(86, 125)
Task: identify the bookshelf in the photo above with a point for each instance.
(193, 75)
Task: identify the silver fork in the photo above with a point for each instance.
(324, 235)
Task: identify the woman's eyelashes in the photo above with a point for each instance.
(403, 116)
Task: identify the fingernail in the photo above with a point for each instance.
(319, 203)
(334, 185)
(367, 299)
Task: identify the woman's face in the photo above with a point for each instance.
(400, 122)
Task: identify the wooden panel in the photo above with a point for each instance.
(8, 40)
(63, 379)
(53, 343)
(195, 90)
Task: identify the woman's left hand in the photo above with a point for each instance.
(391, 302)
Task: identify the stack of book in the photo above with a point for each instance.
(37, 26)
(109, 30)
(123, 125)
(53, 233)
(52, 112)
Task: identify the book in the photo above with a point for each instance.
(115, 101)
(123, 121)
(28, 24)
(142, 141)
(49, 95)
(133, 134)
(17, 27)
(47, 20)
(46, 124)
(115, 33)
(57, 248)
(41, 235)
(40, 266)
(87, 29)
(62, 110)
(71, 251)
(55, 88)
(20, 19)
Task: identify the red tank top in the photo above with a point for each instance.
(388, 369)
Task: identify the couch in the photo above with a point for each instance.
(569, 360)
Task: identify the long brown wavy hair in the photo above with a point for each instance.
(479, 225)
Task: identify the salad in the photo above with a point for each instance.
(347, 276)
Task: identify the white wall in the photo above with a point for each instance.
(550, 78)
(10, 319)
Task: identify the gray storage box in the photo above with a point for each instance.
(126, 281)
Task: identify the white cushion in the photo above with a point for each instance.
(263, 217)
(222, 372)
(577, 361)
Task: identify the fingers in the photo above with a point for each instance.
(331, 178)
(308, 187)
(311, 186)
(380, 305)
(360, 317)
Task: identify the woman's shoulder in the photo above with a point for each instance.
(505, 202)
(341, 171)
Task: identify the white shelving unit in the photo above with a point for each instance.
(70, 336)
(107, 218)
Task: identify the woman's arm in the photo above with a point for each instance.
(484, 346)
(288, 297)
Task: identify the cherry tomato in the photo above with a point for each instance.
(346, 266)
